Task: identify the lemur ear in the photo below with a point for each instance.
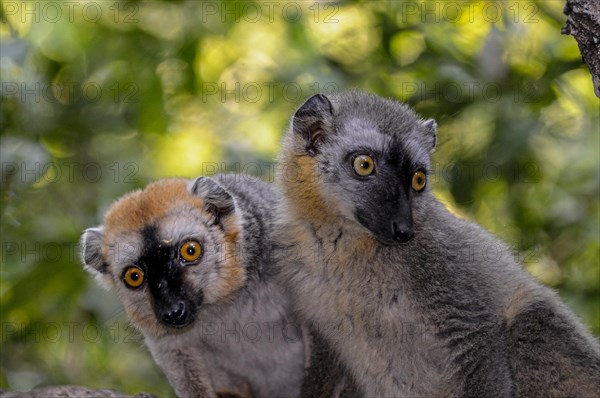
(91, 244)
(312, 121)
(218, 201)
(430, 133)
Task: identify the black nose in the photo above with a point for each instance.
(175, 314)
(402, 233)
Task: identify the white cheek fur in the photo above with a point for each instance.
(124, 251)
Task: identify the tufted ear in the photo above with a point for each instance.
(91, 244)
(430, 134)
(218, 202)
(312, 121)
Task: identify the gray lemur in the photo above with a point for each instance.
(191, 263)
(406, 295)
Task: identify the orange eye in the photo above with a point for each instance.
(190, 251)
(419, 181)
(133, 277)
(363, 165)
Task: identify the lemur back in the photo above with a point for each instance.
(191, 261)
(408, 296)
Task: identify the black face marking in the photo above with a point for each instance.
(384, 199)
(174, 304)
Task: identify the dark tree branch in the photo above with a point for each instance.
(583, 23)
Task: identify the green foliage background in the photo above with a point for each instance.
(108, 96)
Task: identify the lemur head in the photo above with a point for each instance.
(168, 249)
(361, 157)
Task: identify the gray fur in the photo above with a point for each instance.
(245, 344)
(448, 313)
